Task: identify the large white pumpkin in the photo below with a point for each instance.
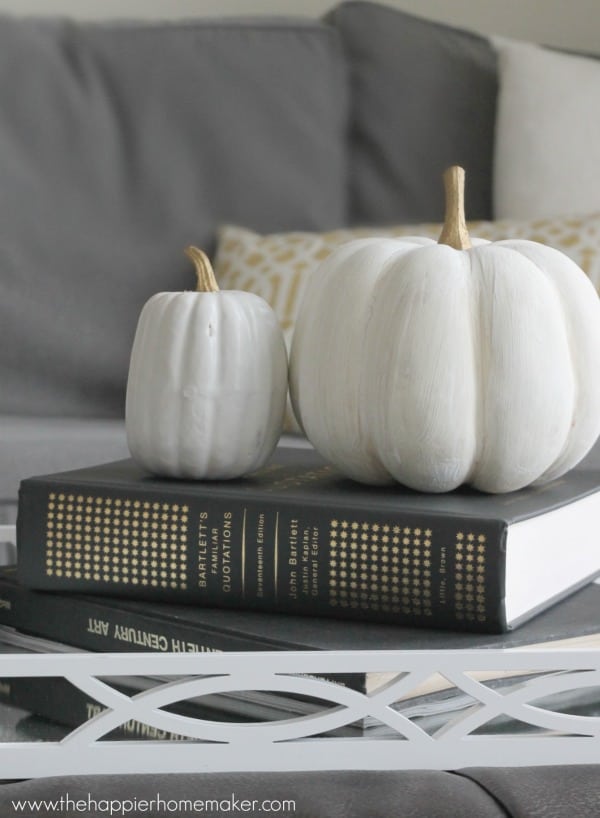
(437, 364)
(207, 382)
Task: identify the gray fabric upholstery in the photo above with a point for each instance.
(423, 98)
(317, 795)
(543, 792)
(525, 792)
(32, 445)
(119, 145)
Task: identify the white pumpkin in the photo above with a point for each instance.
(437, 364)
(207, 382)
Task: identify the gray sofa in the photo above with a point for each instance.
(121, 144)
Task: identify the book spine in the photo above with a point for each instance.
(80, 622)
(260, 552)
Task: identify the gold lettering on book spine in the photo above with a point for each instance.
(122, 541)
(380, 567)
(470, 577)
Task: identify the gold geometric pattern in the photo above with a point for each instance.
(118, 541)
(277, 266)
(470, 575)
(380, 567)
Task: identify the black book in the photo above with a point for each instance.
(105, 624)
(297, 537)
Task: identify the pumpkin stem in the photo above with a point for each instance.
(207, 283)
(454, 231)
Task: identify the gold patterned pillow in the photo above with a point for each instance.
(277, 266)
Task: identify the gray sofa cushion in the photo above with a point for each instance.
(542, 792)
(409, 794)
(119, 145)
(30, 445)
(423, 97)
(525, 792)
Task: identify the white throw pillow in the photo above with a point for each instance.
(547, 153)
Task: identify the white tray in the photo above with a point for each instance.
(290, 744)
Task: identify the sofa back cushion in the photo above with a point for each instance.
(122, 143)
(423, 98)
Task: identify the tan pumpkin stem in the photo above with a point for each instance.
(454, 232)
(207, 283)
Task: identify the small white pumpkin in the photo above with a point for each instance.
(207, 381)
(437, 364)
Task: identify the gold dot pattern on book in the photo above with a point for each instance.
(379, 567)
(102, 539)
(470, 575)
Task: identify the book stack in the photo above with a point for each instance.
(293, 557)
